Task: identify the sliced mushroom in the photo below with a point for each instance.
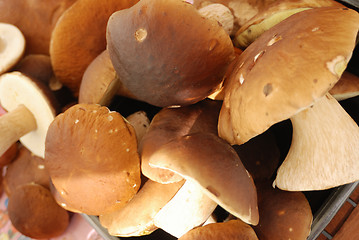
(34, 213)
(31, 108)
(233, 229)
(285, 70)
(91, 155)
(12, 46)
(100, 82)
(212, 163)
(346, 87)
(171, 123)
(158, 61)
(323, 150)
(274, 13)
(74, 45)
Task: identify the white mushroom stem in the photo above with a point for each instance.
(324, 150)
(14, 125)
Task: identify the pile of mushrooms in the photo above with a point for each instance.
(155, 115)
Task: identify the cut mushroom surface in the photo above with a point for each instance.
(91, 155)
(286, 69)
(31, 108)
(323, 150)
(12, 46)
(212, 163)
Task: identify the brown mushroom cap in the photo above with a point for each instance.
(312, 46)
(74, 45)
(34, 212)
(212, 163)
(12, 46)
(91, 155)
(159, 61)
(26, 168)
(233, 229)
(9, 155)
(283, 214)
(346, 87)
(36, 19)
(170, 123)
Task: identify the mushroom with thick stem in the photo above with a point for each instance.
(91, 156)
(12, 46)
(73, 47)
(274, 13)
(170, 123)
(209, 161)
(31, 108)
(158, 61)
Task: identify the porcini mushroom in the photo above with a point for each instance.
(74, 45)
(34, 213)
(170, 123)
(12, 46)
(346, 87)
(31, 108)
(209, 161)
(158, 61)
(91, 156)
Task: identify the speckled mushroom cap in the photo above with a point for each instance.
(283, 214)
(233, 229)
(159, 61)
(79, 37)
(91, 155)
(171, 123)
(26, 168)
(286, 70)
(212, 163)
(34, 213)
(35, 18)
(273, 14)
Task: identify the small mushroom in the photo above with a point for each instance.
(170, 123)
(209, 161)
(233, 229)
(31, 108)
(140, 123)
(74, 45)
(100, 82)
(274, 13)
(12, 46)
(26, 168)
(346, 87)
(91, 156)
(159, 61)
(34, 213)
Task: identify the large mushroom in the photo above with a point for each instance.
(31, 108)
(159, 61)
(91, 156)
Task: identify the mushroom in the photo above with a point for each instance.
(207, 160)
(323, 150)
(274, 13)
(158, 61)
(170, 123)
(9, 155)
(346, 87)
(233, 229)
(100, 82)
(283, 214)
(91, 156)
(26, 168)
(264, 87)
(35, 20)
(34, 213)
(12, 46)
(74, 45)
(31, 108)
(140, 123)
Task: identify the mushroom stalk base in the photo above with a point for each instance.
(14, 125)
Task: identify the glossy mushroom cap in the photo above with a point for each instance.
(79, 37)
(264, 89)
(159, 61)
(91, 155)
(34, 212)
